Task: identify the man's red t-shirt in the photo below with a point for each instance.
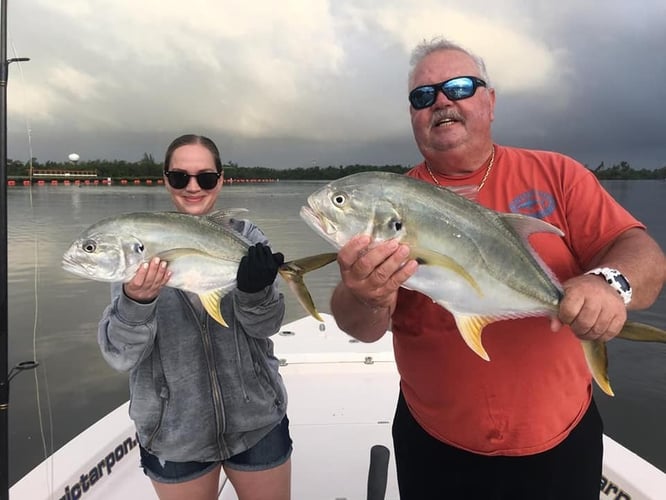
(537, 385)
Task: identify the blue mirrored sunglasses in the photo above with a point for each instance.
(455, 89)
(178, 179)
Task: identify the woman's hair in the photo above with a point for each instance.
(186, 139)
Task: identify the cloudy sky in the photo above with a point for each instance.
(301, 82)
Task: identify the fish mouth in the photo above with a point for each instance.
(319, 223)
(74, 267)
(313, 219)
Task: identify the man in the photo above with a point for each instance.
(524, 425)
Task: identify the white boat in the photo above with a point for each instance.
(342, 396)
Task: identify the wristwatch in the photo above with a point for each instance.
(615, 279)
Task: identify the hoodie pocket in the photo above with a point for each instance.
(150, 399)
(164, 402)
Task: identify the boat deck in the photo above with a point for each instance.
(342, 397)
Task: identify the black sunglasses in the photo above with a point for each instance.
(455, 89)
(178, 179)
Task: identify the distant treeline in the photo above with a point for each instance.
(148, 168)
(624, 171)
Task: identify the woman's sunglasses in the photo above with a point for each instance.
(455, 89)
(179, 180)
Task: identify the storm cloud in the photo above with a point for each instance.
(324, 82)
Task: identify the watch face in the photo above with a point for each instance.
(616, 280)
(622, 281)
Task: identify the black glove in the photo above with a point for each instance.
(258, 268)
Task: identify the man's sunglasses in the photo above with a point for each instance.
(455, 89)
(179, 180)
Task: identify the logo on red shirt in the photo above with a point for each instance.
(533, 203)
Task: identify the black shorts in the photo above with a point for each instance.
(430, 469)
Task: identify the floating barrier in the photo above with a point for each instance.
(108, 181)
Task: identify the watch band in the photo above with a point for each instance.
(615, 279)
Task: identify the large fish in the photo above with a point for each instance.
(474, 262)
(202, 252)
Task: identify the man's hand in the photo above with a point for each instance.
(373, 274)
(593, 309)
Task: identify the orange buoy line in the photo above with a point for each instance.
(45, 180)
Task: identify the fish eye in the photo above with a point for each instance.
(339, 199)
(139, 248)
(89, 246)
(396, 224)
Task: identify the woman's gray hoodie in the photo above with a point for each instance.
(198, 391)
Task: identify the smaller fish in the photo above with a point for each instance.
(203, 254)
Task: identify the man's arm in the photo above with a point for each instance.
(592, 308)
(363, 302)
(636, 255)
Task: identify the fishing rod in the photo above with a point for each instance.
(5, 375)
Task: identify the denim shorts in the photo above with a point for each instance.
(272, 450)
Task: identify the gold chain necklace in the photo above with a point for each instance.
(485, 176)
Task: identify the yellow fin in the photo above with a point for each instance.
(297, 285)
(428, 257)
(211, 301)
(311, 263)
(470, 328)
(642, 332)
(177, 253)
(597, 361)
(293, 272)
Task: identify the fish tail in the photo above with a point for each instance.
(597, 360)
(293, 272)
(642, 332)
(597, 357)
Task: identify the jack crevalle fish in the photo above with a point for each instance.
(203, 254)
(473, 261)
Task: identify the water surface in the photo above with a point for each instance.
(73, 386)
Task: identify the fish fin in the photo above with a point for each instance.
(470, 328)
(312, 262)
(430, 258)
(221, 217)
(293, 272)
(211, 302)
(175, 253)
(524, 226)
(641, 332)
(597, 360)
(471, 192)
(184, 254)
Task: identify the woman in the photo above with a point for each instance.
(202, 396)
